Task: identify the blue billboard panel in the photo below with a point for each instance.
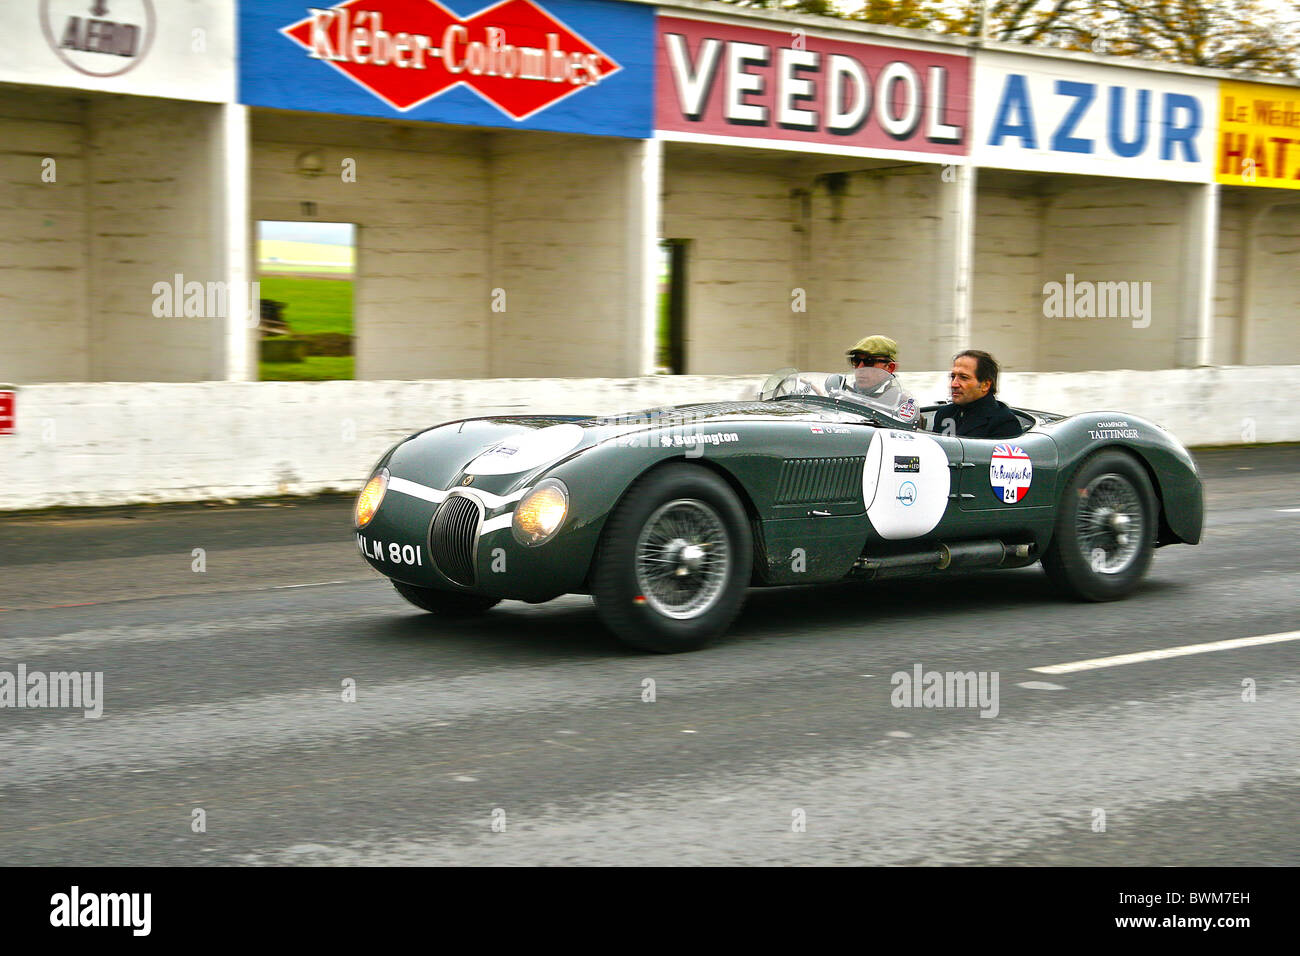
(571, 66)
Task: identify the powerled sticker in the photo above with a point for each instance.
(908, 463)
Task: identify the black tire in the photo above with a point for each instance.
(447, 604)
(674, 560)
(1105, 529)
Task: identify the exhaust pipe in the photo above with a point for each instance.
(961, 554)
(971, 554)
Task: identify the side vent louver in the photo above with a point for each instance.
(820, 481)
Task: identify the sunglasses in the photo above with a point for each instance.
(857, 361)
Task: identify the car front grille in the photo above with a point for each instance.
(453, 538)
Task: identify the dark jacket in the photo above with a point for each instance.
(983, 418)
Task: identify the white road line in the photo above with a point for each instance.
(314, 584)
(1159, 655)
(1288, 511)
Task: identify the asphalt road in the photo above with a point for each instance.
(223, 692)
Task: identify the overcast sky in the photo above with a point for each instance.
(330, 233)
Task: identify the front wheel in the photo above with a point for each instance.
(673, 561)
(1105, 529)
(447, 604)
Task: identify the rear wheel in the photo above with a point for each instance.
(1105, 529)
(447, 604)
(673, 561)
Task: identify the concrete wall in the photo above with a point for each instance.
(1007, 285)
(153, 201)
(736, 210)
(1031, 230)
(1271, 333)
(873, 263)
(131, 204)
(106, 444)
(857, 249)
(564, 245)
(420, 202)
(445, 218)
(1257, 287)
(44, 328)
(1114, 232)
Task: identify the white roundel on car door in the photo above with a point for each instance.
(911, 484)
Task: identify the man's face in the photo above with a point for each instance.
(963, 384)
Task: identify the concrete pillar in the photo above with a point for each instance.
(236, 345)
(953, 257)
(645, 171)
(1199, 268)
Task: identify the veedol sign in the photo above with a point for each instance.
(514, 60)
(720, 80)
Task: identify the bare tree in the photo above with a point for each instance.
(1261, 36)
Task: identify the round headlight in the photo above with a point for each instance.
(368, 501)
(541, 512)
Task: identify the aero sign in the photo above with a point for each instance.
(720, 80)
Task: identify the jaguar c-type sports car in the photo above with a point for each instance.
(667, 516)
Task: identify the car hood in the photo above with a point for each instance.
(504, 452)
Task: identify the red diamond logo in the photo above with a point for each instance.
(405, 52)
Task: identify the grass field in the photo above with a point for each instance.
(313, 368)
(313, 305)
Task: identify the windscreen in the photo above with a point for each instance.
(870, 388)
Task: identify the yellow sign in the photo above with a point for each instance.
(1259, 135)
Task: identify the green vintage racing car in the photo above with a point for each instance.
(666, 516)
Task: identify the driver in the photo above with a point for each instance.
(875, 351)
(884, 391)
(879, 352)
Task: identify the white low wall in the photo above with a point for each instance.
(121, 443)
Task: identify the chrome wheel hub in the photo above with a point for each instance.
(683, 558)
(1110, 523)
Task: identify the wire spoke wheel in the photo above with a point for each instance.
(1106, 528)
(674, 560)
(683, 558)
(1110, 523)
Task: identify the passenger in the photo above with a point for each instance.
(875, 351)
(975, 412)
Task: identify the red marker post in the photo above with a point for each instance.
(7, 395)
